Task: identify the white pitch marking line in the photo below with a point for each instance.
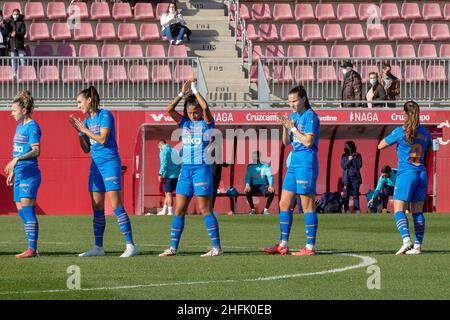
(365, 262)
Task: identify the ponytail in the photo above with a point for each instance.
(92, 93)
(25, 101)
(411, 126)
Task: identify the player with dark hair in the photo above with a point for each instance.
(169, 171)
(384, 188)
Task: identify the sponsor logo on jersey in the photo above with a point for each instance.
(192, 140)
(18, 148)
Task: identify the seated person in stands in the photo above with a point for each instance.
(376, 91)
(385, 187)
(259, 180)
(173, 25)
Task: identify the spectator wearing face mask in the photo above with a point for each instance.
(4, 33)
(352, 86)
(390, 83)
(173, 25)
(17, 30)
(376, 91)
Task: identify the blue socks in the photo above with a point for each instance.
(419, 227)
(212, 226)
(28, 216)
(99, 226)
(125, 224)
(286, 218)
(401, 220)
(176, 231)
(311, 223)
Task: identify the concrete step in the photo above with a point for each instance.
(202, 4)
(230, 96)
(188, 12)
(227, 87)
(222, 68)
(206, 47)
(213, 54)
(206, 27)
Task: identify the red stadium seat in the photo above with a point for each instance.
(362, 51)
(326, 74)
(111, 50)
(332, 32)
(61, 31)
(250, 32)
(397, 31)
(161, 73)
(66, 50)
(149, 31)
(311, 32)
(121, 10)
(48, 74)
(88, 50)
(427, 50)
(366, 70)
(254, 73)
(161, 8)
(440, 31)
(405, 51)
(6, 74)
(182, 73)
(256, 53)
(132, 50)
(304, 73)
(282, 11)
(414, 73)
(71, 74)
(289, 32)
(100, 10)
(261, 11)
(105, 31)
(281, 74)
(275, 51)
(244, 12)
(127, 31)
(39, 31)
(116, 73)
(83, 32)
(411, 11)
(325, 12)
(436, 74)
(346, 11)
(383, 51)
(177, 51)
(419, 31)
(43, 50)
(444, 52)
(34, 10)
(297, 50)
(389, 11)
(8, 8)
(446, 11)
(368, 10)
(143, 11)
(56, 10)
(155, 50)
(318, 51)
(26, 74)
(304, 11)
(139, 73)
(432, 11)
(354, 32)
(93, 73)
(78, 10)
(267, 32)
(340, 51)
(376, 32)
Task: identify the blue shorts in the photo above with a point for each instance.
(411, 186)
(170, 184)
(260, 189)
(26, 184)
(195, 179)
(301, 180)
(106, 177)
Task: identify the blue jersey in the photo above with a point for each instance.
(410, 156)
(27, 135)
(303, 157)
(103, 153)
(196, 138)
(259, 174)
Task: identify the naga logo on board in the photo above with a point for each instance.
(363, 117)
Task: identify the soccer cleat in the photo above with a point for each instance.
(304, 252)
(277, 249)
(168, 252)
(416, 250)
(405, 247)
(161, 213)
(253, 211)
(213, 252)
(28, 254)
(94, 252)
(266, 211)
(131, 251)
(170, 214)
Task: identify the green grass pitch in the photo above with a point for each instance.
(243, 272)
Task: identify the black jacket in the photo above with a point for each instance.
(4, 30)
(351, 168)
(19, 27)
(379, 94)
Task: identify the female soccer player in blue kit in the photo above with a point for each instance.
(196, 174)
(302, 130)
(97, 134)
(23, 171)
(413, 142)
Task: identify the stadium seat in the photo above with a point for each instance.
(66, 50)
(340, 51)
(289, 32)
(410, 11)
(368, 10)
(419, 31)
(427, 50)
(6, 74)
(282, 11)
(127, 31)
(376, 32)
(250, 32)
(105, 31)
(34, 10)
(71, 74)
(389, 11)
(43, 50)
(121, 10)
(274, 51)
(161, 73)
(304, 73)
(177, 51)
(132, 50)
(78, 9)
(256, 53)
(111, 50)
(383, 51)
(432, 11)
(304, 11)
(143, 11)
(366, 70)
(440, 31)
(325, 12)
(281, 74)
(56, 10)
(93, 73)
(354, 32)
(116, 73)
(297, 50)
(26, 74)
(447, 11)
(318, 51)
(244, 12)
(254, 73)
(100, 10)
(414, 73)
(139, 73)
(182, 73)
(155, 50)
(267, 32)
(48, 74)
(8, 8)
(362, 51)
(405, 51)
(436, 74)
(61, 31)
(326, 74)
(311, 32)
(160, 9)
(149, 31)
(88, 50)
(39, 31)
(346, 11)
(332, 32)
(444, 51)
(397, 31)
(83, 32)
(261, 11)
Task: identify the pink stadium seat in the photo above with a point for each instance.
(419, 31)
(354, 32)
(446, 11)
(436, 74)
(39, 31)
(177, 51)
(56, 10)
(332, 32)
(254, 73)
(318, 51)
(250, 32)
(244, 12)
(326, 74)
(155, 50)
(340, 51)
(26, 74)
(43, 50)
(282, 11)
(88, 50)
(127, 31)
(397, 31)
(389, 11)
(304, 73)
(289, 32)
(61, 31)
(149, 31)
(376, 32)
(116, 73)
(440, 31)
(427, 50)
(267, 32)
(139, 73)
(397, 71)
(71, 74)
(105, 31)
(346, 11)
(34, 10)
(261, 11)
(256, 53)
(48, 74)
(325, 12)
(143, 11)
(66, 50)
(275, 51)
(362, 51)
(304, 11)
(414, 73)
(432, 11)
(161, 73)
(182, 73)
(6, 74)
(311, 32)
(444, 51)
(111, 50)
(367, 10)
(78, 9)
(161, 8)
(132, 50)
(405, 51)
(83, 32)
(93, 73)
(383, 51)
(411, 11)
(297, 50)
(100, 10)
(281, 74)
(8, 8)
(366, 69)
(121, 10)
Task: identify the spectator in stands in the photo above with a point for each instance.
(390, 83)
(351, 163)
(17, 30)
(385, 187)
(259, 180)
(173, 25)
(376, 91)
(168, 174)
(352, 86)
(4, 34)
